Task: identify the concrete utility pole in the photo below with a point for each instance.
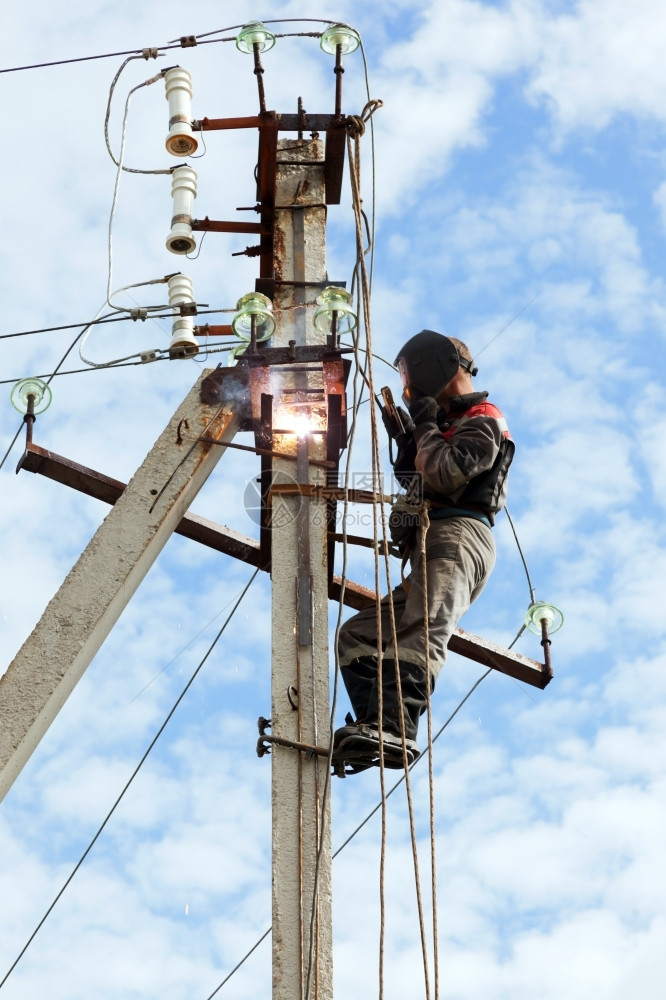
(302, 939)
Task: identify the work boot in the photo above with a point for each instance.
(358, 746)
(414, 698)
(359, 677)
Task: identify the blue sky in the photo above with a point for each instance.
(519, 153)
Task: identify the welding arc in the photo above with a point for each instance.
(131, 779)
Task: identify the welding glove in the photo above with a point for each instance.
(391, 425)
(423, 410)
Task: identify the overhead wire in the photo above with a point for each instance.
(112, 317)
(116, 186)
(507, 325)
(129, 782)
(216, 348)
(112, 55)
(154, 54)
(522, 556)
(143, 311)
(77, 59)
(176, 43)
(65, 326)
(424, 525)
(275, 20)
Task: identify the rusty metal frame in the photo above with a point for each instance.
(270, 124)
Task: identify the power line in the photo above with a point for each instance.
(78, 59)
(507, 325)
(66, 326)
(186, 42)
(134, 315)
(113, 55)
(215, 348)
(129, 782)
(276, 20)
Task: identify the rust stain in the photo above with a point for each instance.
(279, 252)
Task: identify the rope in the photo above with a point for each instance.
(346, 495)
(354, 171)
(425, 524)
(356, 123)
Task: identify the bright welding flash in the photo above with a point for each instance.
(300, 425)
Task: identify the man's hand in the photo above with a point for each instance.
(423, 409)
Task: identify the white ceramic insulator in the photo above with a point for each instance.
(180, 140)
(183, 342)
(184, 191)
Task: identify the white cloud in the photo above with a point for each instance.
(600, 60)
(550, 808)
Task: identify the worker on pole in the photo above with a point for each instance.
(454, 453)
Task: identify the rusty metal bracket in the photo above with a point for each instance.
(266, 451)
(294, 355)
(335, 127)
(214, 226)
(265, 742)
(253, 251)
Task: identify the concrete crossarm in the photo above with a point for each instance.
(80, 616)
